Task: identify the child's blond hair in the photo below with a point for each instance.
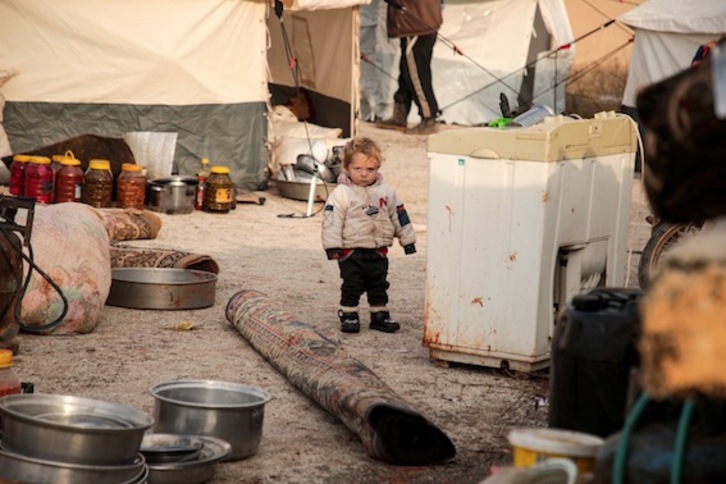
(361, 144)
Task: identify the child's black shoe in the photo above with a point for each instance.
(381, 321)
(349, 322)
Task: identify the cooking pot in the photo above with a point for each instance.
(226, 410)
(173, 194)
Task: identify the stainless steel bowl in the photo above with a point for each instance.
(72, 429)
(229, 411)
(307, 164)
(161, 288)
(16, 467)
(194, 471)
(300, 190)
(165, 448)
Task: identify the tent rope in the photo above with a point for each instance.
(552, 52)
(295, 71)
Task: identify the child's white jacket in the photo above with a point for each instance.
(365, 217)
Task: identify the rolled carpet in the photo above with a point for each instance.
(390, 429)
(126, 256)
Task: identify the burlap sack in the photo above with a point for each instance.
(71, 245)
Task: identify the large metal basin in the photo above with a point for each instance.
(20, 468)
(229, 411)
(161, 288)
(71, 429)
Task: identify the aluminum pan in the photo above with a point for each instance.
(161, 288)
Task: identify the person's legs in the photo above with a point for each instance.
(419, 53)
(402, 98)
(351, 271)
(376, 283)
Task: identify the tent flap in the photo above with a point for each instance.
(232, 135)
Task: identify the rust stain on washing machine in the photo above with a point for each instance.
(451, 214)
(545, 196)
(478, 300)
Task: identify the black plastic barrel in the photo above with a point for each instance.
(593, 353)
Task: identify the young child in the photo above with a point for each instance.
(361, 217)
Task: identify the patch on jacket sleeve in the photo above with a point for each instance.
(402, 216)
(328, 208)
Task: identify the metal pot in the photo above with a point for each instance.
(71, 429)
(161, 288)
(172, 195)
(229, 411)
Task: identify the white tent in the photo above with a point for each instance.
(667, 36)
(198, 68)
(499, 39)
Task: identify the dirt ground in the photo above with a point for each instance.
(256, 248)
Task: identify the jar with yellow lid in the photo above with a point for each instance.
(9, 382)
(68, 179)
(98, 184)
(39, 179)
(219, 190)
(131, 186)
(17, 174)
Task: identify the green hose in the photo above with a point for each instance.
(681, 434)
(621, 453)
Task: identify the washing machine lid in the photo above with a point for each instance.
(557, 138)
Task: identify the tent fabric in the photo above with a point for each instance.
(196, 68)
(657, 55)
(498, 38)
(667, 36)
(678, 16)
(322, 4)
(135, 51)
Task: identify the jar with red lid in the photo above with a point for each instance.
(68, 180)
(39, 179)
(98, 184)
(17, 174)
(131, 187)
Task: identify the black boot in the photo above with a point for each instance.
(381, 321)
(349, 322)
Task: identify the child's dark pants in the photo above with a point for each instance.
(365, 270)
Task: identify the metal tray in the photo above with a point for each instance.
(161, 288)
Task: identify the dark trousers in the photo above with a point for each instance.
(364, 271)
(415, 81)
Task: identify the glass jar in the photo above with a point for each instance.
(218, 191)
(68, 181)
(9, 381)
(39, 179)
(98, 184)
(17, 174)
(131, 187)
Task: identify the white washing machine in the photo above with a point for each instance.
(520, 220)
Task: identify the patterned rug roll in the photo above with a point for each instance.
(126, 256)
(390, 429)
(130, 224)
